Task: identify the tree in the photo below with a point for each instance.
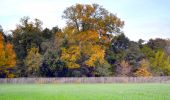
(123, 68)
(33, 62)
(160, 63)
(84, 17)
(92, 17)
(167, 47)
(143, 69)
(147, 51)
(123, 50)
(53, 66)
(27, 35)
(96, 54)
(157, 44)
(120, 43)
(7, 58)
(89, 30)
(71, 56)
(1, 29)
(2, 50)
(102, 69)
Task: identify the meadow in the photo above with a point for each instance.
(85, 91)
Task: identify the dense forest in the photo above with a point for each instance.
(92, 44)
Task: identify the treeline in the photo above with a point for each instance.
(92, 44)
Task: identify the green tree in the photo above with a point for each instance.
(147, 51)
(53, 66)
(160, 63)
(103, 69)
(27, 35)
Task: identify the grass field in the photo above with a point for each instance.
(85, 92)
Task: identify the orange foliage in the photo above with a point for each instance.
(10, 55)
(7, 57)
(2, 51)
(143, 70)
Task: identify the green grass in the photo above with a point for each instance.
(85, 92)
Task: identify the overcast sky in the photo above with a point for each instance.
(143, 18)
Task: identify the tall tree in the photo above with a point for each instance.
(93, 17)
(27, 35)
(7, 58)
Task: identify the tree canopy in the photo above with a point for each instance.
(92, 44)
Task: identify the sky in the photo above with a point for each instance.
(144, 19)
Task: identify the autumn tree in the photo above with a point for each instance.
(32, 62)
(82, 48)
(2, 49)
(89, 30)
(71, 56)
(94, 17)
(7, 58)
(143, 70)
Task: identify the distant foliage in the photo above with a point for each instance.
(92, 44)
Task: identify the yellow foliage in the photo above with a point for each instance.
(97, 54)
(87, 36)
(143, 70)
(82, 44)
(70, 56)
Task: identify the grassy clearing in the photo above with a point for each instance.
(85, 92)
